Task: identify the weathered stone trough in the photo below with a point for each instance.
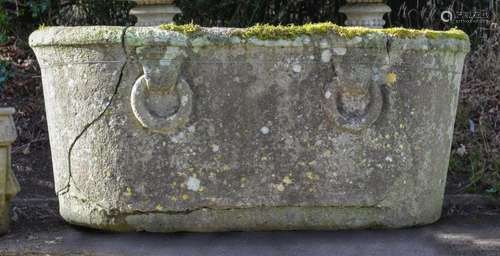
(182, 128)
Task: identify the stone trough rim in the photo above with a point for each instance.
(216, 36)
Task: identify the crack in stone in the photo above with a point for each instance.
(66, 188)
(388, 46)
(115, 212)
(207, 208)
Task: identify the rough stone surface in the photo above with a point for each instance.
(9, 186)
(212, 132)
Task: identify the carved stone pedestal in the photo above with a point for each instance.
(154, 12)
(365, 13)
(8, 183)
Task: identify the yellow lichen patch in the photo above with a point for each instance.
(128, 191)
(159, 207)
(243, 181)
(173, 184)
(185, 197)
(186, 29)
(391, 78)
(312, 176)
(287, 180)
(280, 187)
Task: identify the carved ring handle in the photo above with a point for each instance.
(161, 124)
(349, 121)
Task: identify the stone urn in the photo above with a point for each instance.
(365, 13)
(316, 127)
(9, 186)
(154, 12)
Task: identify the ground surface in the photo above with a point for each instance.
(470, 226)
(476, 235)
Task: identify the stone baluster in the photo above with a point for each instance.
(154, 12)
(9, 186)
(365, 13)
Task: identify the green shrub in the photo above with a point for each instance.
(3, 26)
(21, 17)
(245, 13)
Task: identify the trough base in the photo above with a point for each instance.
(240, 219)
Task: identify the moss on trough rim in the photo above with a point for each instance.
(272, 32)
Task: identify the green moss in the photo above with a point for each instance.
(431, 34)
(42, 27)
(268, 32)
(186, 29)
(271, 32)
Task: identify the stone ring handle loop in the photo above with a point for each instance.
(353, 121)
(150, 120)
(161, 88)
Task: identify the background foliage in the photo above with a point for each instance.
(20, 17)
(229, 13)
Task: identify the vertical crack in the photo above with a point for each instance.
(388, 45)
(65, 189)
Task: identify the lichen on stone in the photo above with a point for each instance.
(391, 78)
(453, 33)
(270, 32)
(186, 29)
(277, 32)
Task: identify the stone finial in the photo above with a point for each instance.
(9, 186)
(154, 12)
(365, 13)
